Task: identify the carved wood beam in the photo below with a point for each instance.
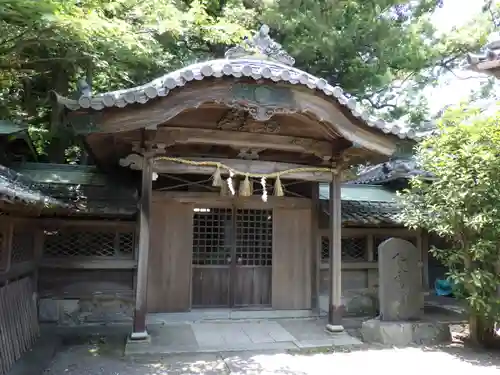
(169, 136)
(134, 161)
(261, 101)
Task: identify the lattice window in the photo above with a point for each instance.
(212, 231)
(379, 239)
(254, 237)
(23, 245)
(73, 242)
(325, 249)
(354, 249)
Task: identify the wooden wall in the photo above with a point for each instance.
(291, 280)
(169, 276)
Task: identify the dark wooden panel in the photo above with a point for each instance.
(291, 275)
(210, 286)
(82, 283)
(169, 277)
(252, 286)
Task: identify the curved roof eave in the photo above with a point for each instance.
(257, 58)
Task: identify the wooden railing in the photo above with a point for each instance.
(18, 321)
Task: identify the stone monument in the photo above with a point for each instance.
(401, 300)
(400, 281)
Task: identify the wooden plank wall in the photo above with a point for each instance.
(169, 276)
(291, 275)
(18, 321)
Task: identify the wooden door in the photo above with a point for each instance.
(252, 269)
(212, 256)
(232, 257)
(291, 275)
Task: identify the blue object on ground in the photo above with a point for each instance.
(443, 287)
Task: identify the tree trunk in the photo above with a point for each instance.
(482, 332)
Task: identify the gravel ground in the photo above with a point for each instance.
(102, 356)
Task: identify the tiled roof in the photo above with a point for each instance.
(83, 188)
(489, 58)
(389, 171)
(364, 204)
(366, 213)
(369, 213)
(257, 58)
(16, 188)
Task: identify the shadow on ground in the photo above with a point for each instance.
(99, 354)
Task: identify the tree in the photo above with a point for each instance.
(383, 51)
(462, 206)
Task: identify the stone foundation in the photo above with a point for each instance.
(91, 310)
(405, 333)
(357, 302)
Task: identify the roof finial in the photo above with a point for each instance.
(261, 46)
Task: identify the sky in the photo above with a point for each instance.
(452, 89)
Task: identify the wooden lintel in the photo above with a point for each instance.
(89, 263)
(134, 161)
(215, 200)
(169, 136)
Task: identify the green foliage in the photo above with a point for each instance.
(383, 51)
(462, 204)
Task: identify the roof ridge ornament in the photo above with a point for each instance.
(262, 46)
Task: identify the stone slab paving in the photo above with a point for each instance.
(84, 360)
(206, 337)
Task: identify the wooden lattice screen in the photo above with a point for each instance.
(354, 249)
(92, 240)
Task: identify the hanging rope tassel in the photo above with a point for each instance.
(230, 183)
(278, 188)
(216, 177)
(245, 188)
(264, 190)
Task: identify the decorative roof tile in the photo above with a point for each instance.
(489, 58)
(257, 58)
(389, 171)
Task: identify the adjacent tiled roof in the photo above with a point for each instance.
(267, 61)
(364, 204)
(83, 188)
(369, 213)
(16, 188)
(489, 58)
(366, 213)
(389, 171)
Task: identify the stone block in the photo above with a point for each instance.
(405, 333)
(363, 302)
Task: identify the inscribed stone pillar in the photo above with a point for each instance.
(400, 283)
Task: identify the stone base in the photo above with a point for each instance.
(405, 333)
(134, 346)
(331, 328)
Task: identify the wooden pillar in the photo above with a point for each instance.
(139, 330)
(335, 308)
(315, 246)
